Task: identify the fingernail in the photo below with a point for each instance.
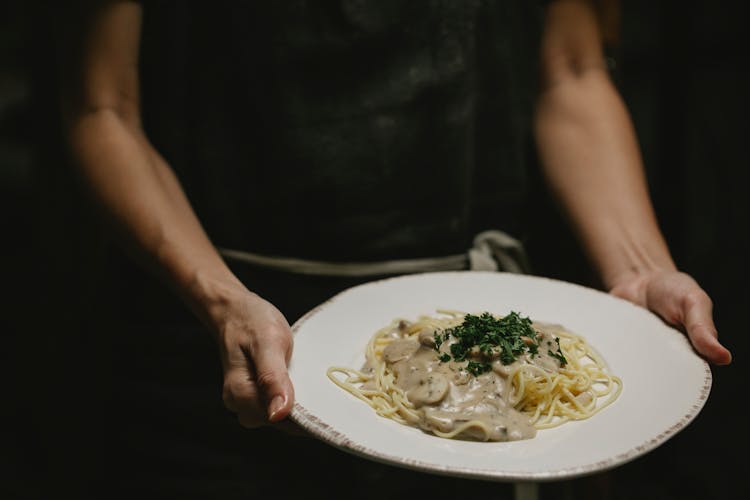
(277, 403)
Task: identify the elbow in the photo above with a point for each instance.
(573, 91)
(93, 121)
(122, 112)
(87, 105)
(573, 71)
(92, 133)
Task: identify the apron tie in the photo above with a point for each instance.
(495, 250)
(492, 250)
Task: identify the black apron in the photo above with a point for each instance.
(334, 130)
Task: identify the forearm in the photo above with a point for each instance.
(149, 211)
(590, 157)
(147, 208)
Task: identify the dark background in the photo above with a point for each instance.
(682, 68)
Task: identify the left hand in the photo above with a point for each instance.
(680, 301)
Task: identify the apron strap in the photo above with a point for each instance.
(492, 251)
(495, 250)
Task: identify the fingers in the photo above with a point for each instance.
(242, 397)
(270, 359)
(679, 299)
(261, 398)
(256, 381)
(698, 321)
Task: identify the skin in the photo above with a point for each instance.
(586, 144)
(592, 162)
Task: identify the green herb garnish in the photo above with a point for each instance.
(438, 340)
(506, 337)
(558, 354)
(476, 368)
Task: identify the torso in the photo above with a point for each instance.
(344, 130)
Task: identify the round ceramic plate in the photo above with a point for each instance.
(665, 384)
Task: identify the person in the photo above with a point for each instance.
(335, 132)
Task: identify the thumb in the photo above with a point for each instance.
(698, 320)
(273, 380)
(682, 302)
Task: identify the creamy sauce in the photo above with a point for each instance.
(445, 395)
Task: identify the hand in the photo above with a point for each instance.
(680, 301)
(255, 344)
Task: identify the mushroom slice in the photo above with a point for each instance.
(431, 389)
(427, 337)
(400, 349)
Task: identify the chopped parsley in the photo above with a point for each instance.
(477, 368)
(507, 337)
(438, 340)
(558, 354)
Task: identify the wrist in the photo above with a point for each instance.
(634, 275)
(212, 296)
(630, 257)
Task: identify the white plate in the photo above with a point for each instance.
(665, 384)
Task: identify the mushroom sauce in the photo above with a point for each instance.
(446, 395)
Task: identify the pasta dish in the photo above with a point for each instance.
(480, 376)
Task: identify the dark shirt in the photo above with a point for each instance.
(344, 130)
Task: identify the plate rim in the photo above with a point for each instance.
(321, 430)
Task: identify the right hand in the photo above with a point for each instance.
(678, 299)
(255, 346)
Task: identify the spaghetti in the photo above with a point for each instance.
(481, 377)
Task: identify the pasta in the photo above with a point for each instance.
(480, 376)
